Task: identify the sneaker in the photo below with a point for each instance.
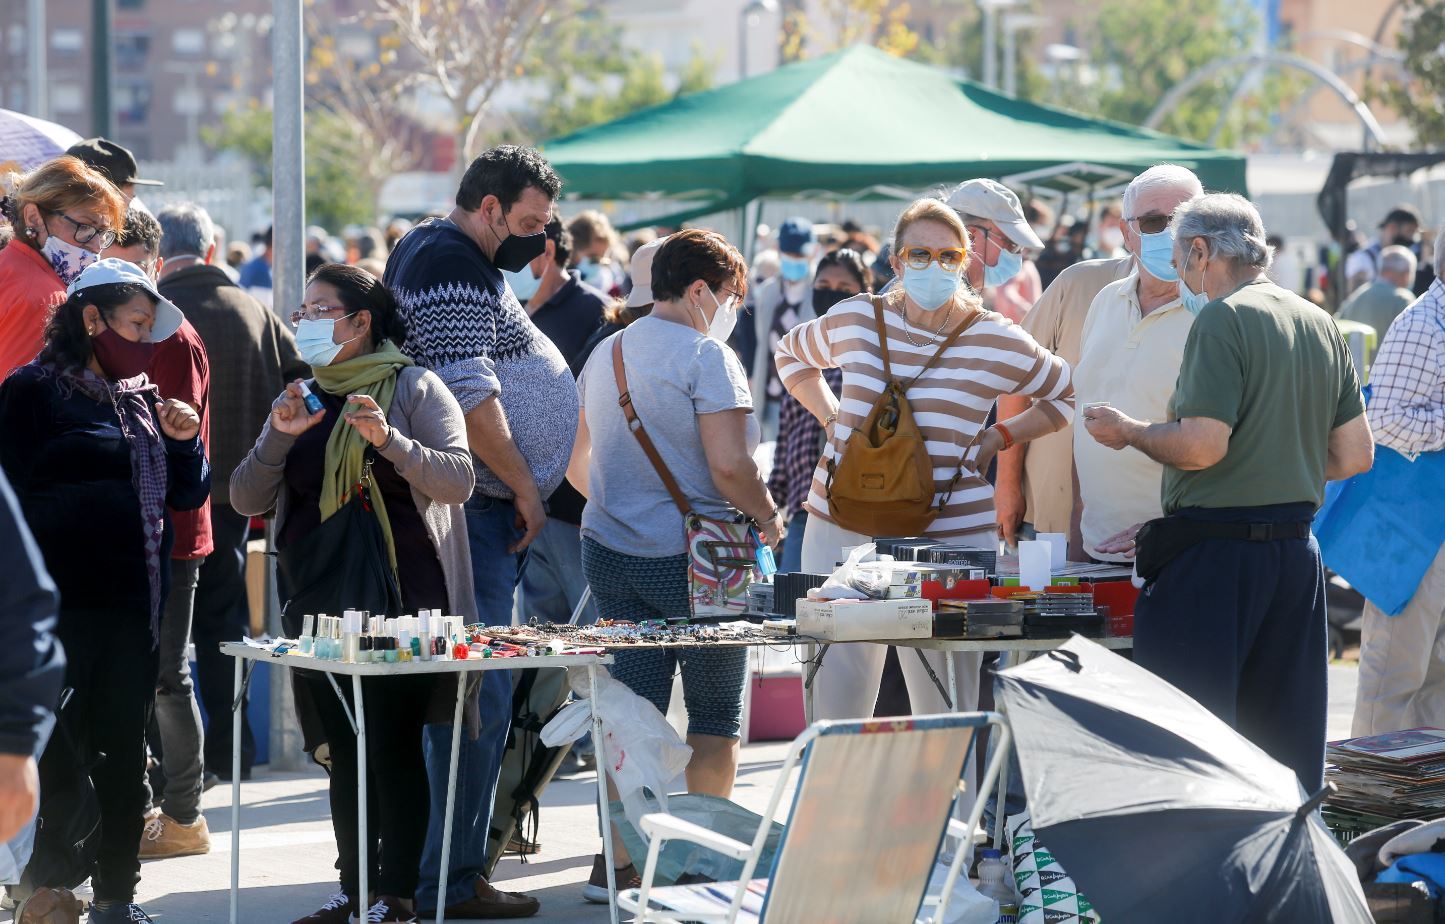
(595, 891)
(337, 910)
(49, 906)
(489, 903)
(165, 837)
(388, 909)
(119, 913)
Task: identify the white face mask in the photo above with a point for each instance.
(724, 319)
(67, 259)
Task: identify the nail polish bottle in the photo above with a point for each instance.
(459, 651)
(350, 637)
(313, 403)
(364, 649)
(393, 653)
(308, 634)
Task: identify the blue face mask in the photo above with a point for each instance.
(522, 283)
(794, 269)
(1006, 268)
(314, 339)
(931, 287)
(1194, 302)
(591, 272)
(1156, 255)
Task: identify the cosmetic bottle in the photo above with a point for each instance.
(351, 637)
(307, 641)
(313, 403)
(392, 650)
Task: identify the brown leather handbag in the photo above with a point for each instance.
(882, 484)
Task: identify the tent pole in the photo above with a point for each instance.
(747, 226)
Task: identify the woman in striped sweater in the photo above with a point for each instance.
(950, 402)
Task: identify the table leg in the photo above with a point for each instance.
(952, 681)
(810, 651)
(236, 792)
(999, 807)
(363, 850)
(446, 859)
(602, 794)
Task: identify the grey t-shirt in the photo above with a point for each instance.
(674, 374)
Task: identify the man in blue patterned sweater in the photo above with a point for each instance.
(520, 401)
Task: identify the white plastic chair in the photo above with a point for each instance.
(873, 804)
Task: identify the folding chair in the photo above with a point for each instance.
(873, 804)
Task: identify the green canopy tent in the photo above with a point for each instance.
(848, 122)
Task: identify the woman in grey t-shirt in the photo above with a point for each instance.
(691, 394)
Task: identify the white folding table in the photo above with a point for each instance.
(243, 651)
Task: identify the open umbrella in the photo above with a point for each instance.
(27, 142)
(1160, 811)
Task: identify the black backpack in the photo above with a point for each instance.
(67, 831)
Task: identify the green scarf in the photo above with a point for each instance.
(372, 374)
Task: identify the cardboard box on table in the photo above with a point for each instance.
(864, 620)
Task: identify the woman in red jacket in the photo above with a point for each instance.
(63, 214)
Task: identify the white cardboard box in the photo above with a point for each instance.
(865, 620)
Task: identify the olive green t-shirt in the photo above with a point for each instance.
(1276, 370)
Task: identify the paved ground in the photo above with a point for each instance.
(287, 852)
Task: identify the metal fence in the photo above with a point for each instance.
(225, 189)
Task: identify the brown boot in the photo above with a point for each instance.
(489, 903)
(49, 906)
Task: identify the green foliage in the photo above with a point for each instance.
(962, 49)
(1422, 100)
(589, 76)
(333, 198)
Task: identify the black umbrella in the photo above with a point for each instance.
(1160, 811)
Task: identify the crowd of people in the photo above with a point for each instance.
(1139, 383)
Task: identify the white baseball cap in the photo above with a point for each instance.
(641, 273)
(996, 202)
(113, 270)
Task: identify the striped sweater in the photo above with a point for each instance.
(950, 402)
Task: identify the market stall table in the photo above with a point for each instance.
(245, 651)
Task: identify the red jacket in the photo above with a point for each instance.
(29, 289)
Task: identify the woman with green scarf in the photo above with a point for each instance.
(375, 405)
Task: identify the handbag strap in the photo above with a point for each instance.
(649, 449)
(949, 341)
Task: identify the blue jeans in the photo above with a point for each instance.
(553, 583)
(792, 560)
(495, 574)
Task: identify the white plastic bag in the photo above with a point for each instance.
(839, 585)
(640, 750)
(967, 906)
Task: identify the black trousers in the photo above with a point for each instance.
(222, 615)
(1240, 627)
(397, 795)
(111, 664)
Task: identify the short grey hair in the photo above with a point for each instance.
(1397, 259)
(1230, 225)
(1160, 176)
(187, 230)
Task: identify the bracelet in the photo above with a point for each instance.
(830, 420)
(1008, 438)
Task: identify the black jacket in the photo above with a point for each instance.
(32, 666)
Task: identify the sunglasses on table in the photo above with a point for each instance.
(85, 233)
(950, 258)
(1151, 224)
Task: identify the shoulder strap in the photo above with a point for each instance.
(649, 449)
(882, 325)
(949, 341)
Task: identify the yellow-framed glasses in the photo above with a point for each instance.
(950, 258)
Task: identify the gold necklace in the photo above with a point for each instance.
(933, 338)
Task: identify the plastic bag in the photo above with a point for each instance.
(1046, 893)
(839, 585)
(967, 906)
(640, 750)
(716, 814)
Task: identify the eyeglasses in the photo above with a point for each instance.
(950, 258)
(1150, 224)
(85, 233)
(1003, 242)
(317, 313)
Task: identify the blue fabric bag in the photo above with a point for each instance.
(1380, 530)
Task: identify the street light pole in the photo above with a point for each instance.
(35, 20)
(1012, 23)
(102, 113)
(990, 46)
(748, 17)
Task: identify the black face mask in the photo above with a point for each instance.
(824, 299)
(1405, 240)
(516, 250)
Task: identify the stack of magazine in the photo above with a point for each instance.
(1388, 777)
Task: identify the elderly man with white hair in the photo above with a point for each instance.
(1266, 409)
(1129, 356)
(1402, 675)
(1378, 303)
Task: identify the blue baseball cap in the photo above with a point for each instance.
(794, 236)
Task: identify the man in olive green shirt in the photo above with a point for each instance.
(1266, 409)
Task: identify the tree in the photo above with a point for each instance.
(962, 49)
(842, 23)
(332, 198)
(464, 49)
(1421, 100)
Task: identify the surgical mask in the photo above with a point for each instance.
(1193, 302)
(591, 272)
(67, 259)
(1006, 268)
(825, 299)
(522, 283)
(1156, 255)
(517, 250)
(930, 287)
(1111, 238)
(724, 319)
(119, 357)
(315, 340)
(794, 269)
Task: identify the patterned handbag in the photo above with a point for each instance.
(721, 554)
